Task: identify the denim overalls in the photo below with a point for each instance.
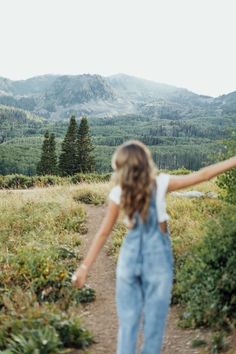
(144, 278)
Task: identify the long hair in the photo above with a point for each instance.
(134, 171)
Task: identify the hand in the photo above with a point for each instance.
(79, 277)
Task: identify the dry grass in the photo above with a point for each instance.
(49, 212)
(54, 217)
(188, 218)
(40, 215)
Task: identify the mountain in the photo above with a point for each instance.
(137, 88)
(15, 122)
(34, 85)
(181, 128)
(226, 103)
(58, 96)
(77, 93)
(24, 94)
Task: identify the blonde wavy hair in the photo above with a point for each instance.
(134, 171)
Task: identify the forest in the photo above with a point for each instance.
(182, 143)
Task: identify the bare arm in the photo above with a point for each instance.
(206, 173)
(102, 234)
(97, 244)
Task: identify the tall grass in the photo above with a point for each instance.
(41, 230)
(188, 217)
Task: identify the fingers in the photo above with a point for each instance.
(78, 280)
(77, 283)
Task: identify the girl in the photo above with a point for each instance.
(145, 266)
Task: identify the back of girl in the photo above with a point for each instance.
(144, 272)
(144, 269)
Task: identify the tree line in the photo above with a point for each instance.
(76, 151)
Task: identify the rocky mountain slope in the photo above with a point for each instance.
(57, 97)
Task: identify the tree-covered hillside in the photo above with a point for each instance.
(181, 128)
(16, 122)
(175, 144)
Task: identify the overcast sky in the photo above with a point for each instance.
(186, 43)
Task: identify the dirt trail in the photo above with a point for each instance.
(100, 316)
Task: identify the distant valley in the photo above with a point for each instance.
(182, 129)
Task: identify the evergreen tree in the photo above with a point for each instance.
(48, 162)
(68, 158)
(53, 155)
(85, 160)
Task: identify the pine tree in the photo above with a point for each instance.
(85, 146)
(53, 155)
(68, 158)
(48, 162)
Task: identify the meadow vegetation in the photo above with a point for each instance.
(18, 181)
(41, 231)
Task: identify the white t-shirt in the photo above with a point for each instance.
(162, 184)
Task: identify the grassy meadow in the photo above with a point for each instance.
(41, 233)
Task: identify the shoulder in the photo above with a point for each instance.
(115, 194)
(162, 181)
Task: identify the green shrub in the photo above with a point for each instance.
(72, 334)
(35, 326)
(206, 279)
(24, 182)
(196, 343)
(72, 220)
(117, 238)
(180, 171)
(16, 182)
(227, 181)
(37, 341)
(46, 273)
(88, 196)
(90, 177)
(86, 294)
(218, 343)
(48, 180)
(39, 239)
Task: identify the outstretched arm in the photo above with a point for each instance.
(206, 173)
(99, 240)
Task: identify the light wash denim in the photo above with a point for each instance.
(144, 279)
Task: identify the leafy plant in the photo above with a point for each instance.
(73, 334)
(206, 280)
(90, 197)
(227, 181)
(26, 320)
(218, 343)
(198, 342)
(90, 177)
(35, 341)
(86, 294)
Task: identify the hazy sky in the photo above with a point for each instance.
(187, 43)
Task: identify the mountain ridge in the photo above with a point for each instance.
(58, 96)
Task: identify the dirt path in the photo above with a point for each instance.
(100, 316)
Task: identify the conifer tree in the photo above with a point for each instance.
(85, 147)
(53, 155)
(68, 158)
(48, 162)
